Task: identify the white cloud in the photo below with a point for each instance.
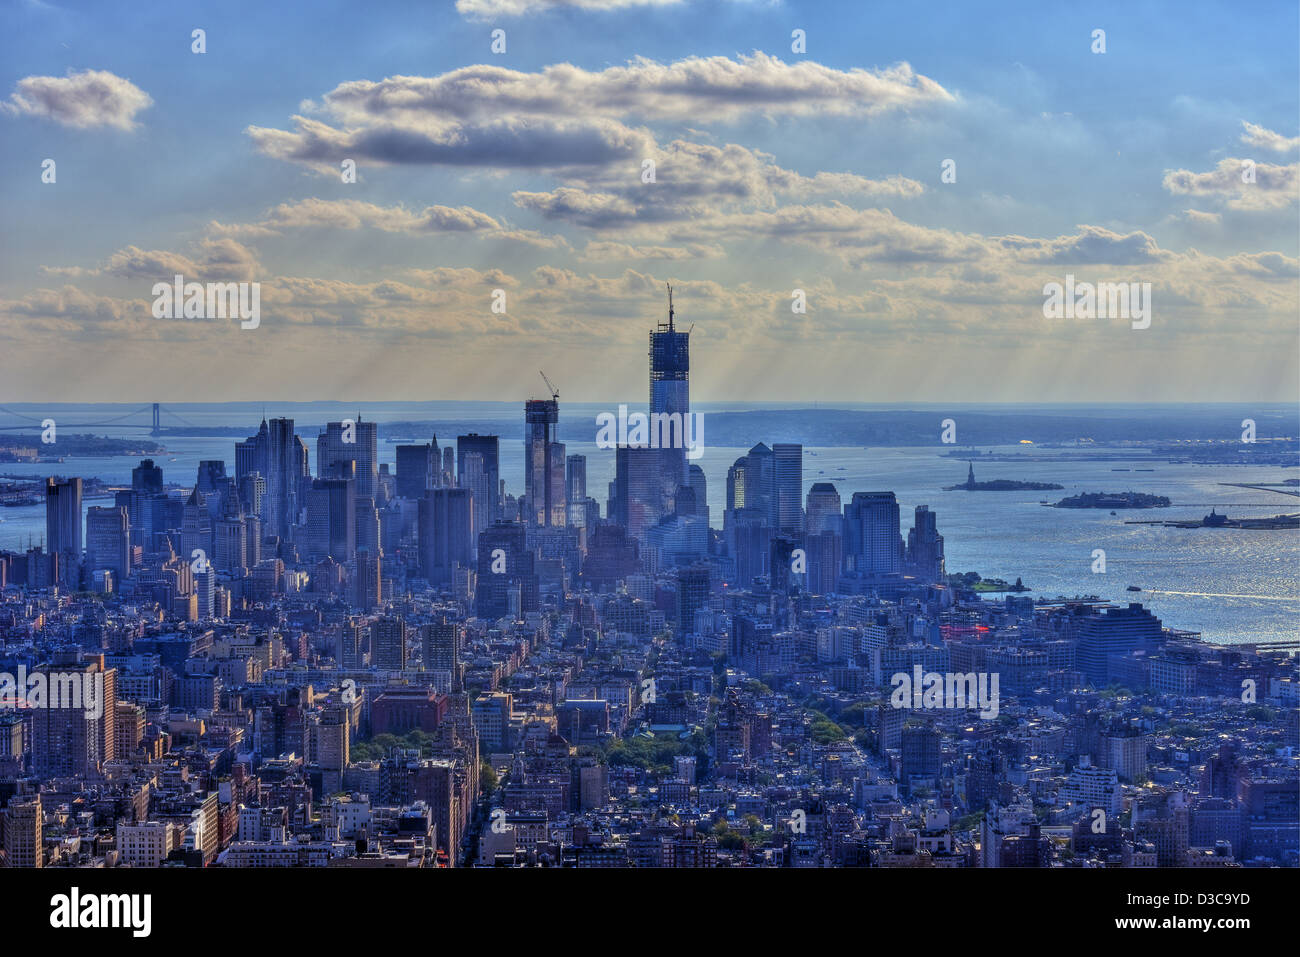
(565, 116)
(1267, 139)
(83, 100)
(604, 251)
(1273, 187)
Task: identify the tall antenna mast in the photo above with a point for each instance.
(670, 305)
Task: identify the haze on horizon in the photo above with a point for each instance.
(776, 170)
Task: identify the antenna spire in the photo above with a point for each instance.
(670, 305)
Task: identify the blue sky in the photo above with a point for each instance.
(519, 174)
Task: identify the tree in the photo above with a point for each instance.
(826, 732)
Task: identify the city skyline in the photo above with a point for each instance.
(776, 171)
(863, 439)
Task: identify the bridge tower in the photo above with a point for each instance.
(156, 411)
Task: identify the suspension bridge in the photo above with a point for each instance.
(149, 417)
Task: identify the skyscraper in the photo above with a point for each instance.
(872, 541)
(332, 519)
(480, 477)
(825, 513)
(350, 441)
(388, 642)
(252, 455)
(445, 524)
(252, 493)
(922, 756)
(751, 513)
(692, 595)
(196, 527)
(440, 647)
(108, 541)
(63, 515)
(368, 535)
(644, 489)
(751, 485)
(1114, 631)
(448, 466)
(367, 583)
(670, 364)
(211, 476)
(230, 540)
(72, 733)
(925, 547)
(23, 842)
(787, 459)
(696, 481)
(280, 457)
(544, 478)
(825, 552)
(575, 479)
(417, 469)
(147, 477)
(205, 588)
(505, 564)
(289, 459)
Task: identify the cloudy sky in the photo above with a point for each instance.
(774, 170)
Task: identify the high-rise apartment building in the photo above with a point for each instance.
(388, 642)
(72, 730)
(23, 831)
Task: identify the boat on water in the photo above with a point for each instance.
(1133, 588)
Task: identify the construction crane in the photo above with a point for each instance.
(555, 393)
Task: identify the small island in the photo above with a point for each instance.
(1001, 485)
(24, 448)
(1114, 500)
(973, 582)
